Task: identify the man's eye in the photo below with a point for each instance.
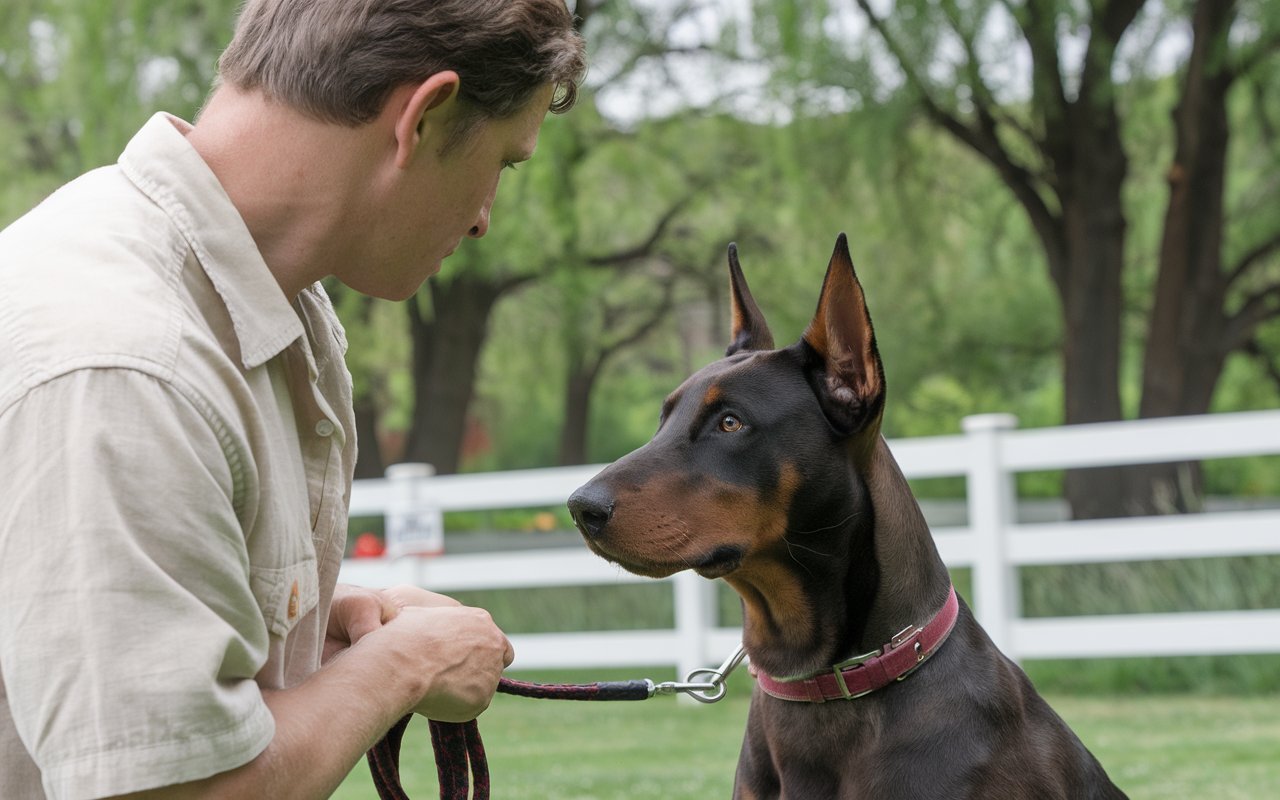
(730, 424)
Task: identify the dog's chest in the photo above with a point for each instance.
(846, 750)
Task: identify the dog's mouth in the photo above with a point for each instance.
(717, 563)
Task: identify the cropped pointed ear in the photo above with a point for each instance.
(849, 380)
(750, 331)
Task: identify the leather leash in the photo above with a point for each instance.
(461, 766)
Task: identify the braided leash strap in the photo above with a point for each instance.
(607, 690)
(460, 758)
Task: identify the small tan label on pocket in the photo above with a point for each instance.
(293, 602)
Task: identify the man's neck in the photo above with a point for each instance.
(298, 183)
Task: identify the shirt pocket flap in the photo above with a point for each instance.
(286, 594)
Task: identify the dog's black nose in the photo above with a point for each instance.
(591, 507)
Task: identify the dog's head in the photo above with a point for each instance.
(715, 490)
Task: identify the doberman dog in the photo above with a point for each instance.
(873, 680)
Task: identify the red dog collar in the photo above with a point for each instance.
(864, 674)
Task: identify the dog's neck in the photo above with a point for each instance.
(873, 570)
(914, 580)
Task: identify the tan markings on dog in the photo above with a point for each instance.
(665, 522)
(738, 320)
(713, 395)
(774, 603)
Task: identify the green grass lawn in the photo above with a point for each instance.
(1154, 746)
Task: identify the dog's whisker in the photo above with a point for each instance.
(803, 566)
(681, 529)
(827, 527)
(810, 549)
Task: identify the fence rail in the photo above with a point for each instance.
(993, 544)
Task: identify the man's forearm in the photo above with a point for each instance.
(323, 726)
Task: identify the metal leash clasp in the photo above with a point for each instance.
(708, 690)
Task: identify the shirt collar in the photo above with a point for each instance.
(166, 168)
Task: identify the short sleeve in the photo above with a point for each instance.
(129, 634)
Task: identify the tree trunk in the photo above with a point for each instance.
(577, 414)
(1091, 291)
(1092, 301)
(1187, 343)
(1072, 192)
(369, 462)
(446, 352)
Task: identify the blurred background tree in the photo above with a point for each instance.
(1050, 95)
(1061, 209)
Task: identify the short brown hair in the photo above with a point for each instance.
(339, 60)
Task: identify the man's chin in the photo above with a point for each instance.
(407, 289)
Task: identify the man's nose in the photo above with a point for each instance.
(482, 225)
(482, 222)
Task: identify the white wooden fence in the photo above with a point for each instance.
(988, 454)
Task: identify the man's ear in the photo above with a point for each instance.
(425, 114)
(750, 331)
(849, 378)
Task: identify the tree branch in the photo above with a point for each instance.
(1261, 306)
(1108, 26)
(1117, 16)
(990, 114)
(983, 140)
(1039, 30)
(642, 330)
(645, 248)
(1251, 258)
(1261, 49)
(982, 95)
(1255, 349)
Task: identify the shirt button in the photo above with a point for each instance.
(324, 428)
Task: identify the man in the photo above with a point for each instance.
(176, 435)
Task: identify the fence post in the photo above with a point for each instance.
(991, 499)
(695, 617)
(414, 522)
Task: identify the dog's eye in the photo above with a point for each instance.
(730, 424)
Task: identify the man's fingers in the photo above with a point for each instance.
(404, 596)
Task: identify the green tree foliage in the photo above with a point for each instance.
(78, 78)
(1042, 92)
(633, 197)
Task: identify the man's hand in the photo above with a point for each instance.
(357, 610)
(456, 653)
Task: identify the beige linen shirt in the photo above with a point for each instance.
(176, 451)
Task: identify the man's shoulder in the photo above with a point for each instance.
(100, 201)
(90, 277)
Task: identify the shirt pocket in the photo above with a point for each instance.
(286, 594)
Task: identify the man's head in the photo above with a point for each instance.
(381, 127)
(340, 60)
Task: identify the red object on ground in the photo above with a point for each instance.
(368, 545)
